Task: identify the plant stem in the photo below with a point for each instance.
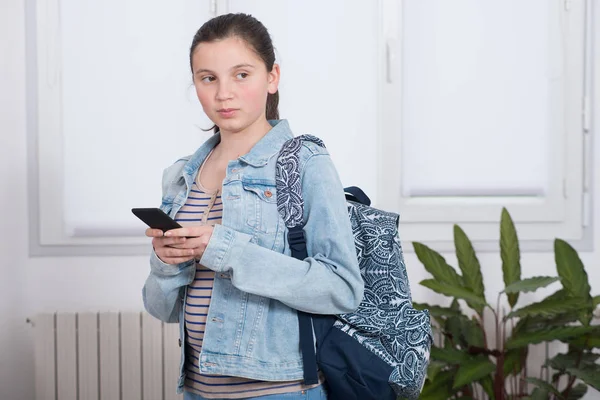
(579, 357)
(556, 382)
(547, 369)
(512, 379)
(523, 371)
(497, 322)
(485, 343)
(467, 391)
(499, 378)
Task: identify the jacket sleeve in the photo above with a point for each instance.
(164, 288)
(328, 281)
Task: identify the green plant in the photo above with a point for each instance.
(466, 365)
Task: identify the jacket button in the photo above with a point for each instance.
(268, 193)
(179, 342)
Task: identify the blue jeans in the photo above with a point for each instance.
(317, 393)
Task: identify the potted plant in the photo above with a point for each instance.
(466, 364)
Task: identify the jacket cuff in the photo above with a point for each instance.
(224, 245)
(158, 267)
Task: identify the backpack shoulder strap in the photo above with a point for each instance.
(288, 180)
(291, 207)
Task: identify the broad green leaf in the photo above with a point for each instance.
(437, 311)
(595, 301)
(560, 333)
(455, 305)
(573, 277)
(510, 253)
(440, 389)
(539, 394)
(534, 324)
(544, 386)
(470, 267)
(547, 308)
(434, 368)
(487, 384)
(588, 341)
(559, 294)
(513, 361)
(452, 328)
(452, 291)
(437, 266)
(472, 333)
(561, 362)
(448, 344)
(472, 370)
(576, 392)
(571, 270)
(450, 356)
(588, 375)
(437, 393)
(530, 284)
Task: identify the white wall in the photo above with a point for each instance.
(15, 360)
(31, 285)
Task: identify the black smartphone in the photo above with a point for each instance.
(155, 218)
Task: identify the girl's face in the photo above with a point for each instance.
(232, 83)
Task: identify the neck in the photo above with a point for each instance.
(236, 144)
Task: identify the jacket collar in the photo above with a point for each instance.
(269, 145)
(258, 156)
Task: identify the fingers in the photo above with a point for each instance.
(168, 241)
(171, 255)
(191, 242)
(180, 245)
(154, 232)
(192, 231)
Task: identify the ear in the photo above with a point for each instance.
(273, 78)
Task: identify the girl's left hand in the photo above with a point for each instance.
(195, 238)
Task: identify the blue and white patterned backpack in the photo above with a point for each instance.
(381, 350)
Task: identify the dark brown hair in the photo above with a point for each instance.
(253, 32)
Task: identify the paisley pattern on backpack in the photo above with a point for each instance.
(288, 179)
(385, 322)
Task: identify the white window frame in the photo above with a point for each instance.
(564, 213)
(48, 232)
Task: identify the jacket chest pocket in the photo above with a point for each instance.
(261, 207)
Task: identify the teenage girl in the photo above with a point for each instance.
(227, 276)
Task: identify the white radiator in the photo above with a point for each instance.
(105, 356)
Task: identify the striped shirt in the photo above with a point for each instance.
(204, 207)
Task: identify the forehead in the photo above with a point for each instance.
(224, 53)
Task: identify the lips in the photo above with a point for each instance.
(227, 112)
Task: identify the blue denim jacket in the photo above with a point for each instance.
(252, 325)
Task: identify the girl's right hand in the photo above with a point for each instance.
(165, 247)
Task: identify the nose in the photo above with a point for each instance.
(224, 91)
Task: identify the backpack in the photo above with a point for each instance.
(367, 354)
